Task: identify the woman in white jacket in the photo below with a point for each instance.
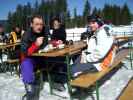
(99, 53)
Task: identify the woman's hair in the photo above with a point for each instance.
(54, 19)
(14, 28)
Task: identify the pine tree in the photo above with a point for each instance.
(10, 22)
(107, 12)
(68, 20)
(75, 17)
(95, 11)
(86, 11)
(125, 15)
(116, 15)
(36, 8)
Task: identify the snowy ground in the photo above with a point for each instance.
(11, 87)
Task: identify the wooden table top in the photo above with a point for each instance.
(71, 49)
(4, 46)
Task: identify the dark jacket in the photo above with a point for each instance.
(3, 37)
(59, 34)
(28, 42)
(18, 35)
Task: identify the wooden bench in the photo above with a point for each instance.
(90, 79)
(127, 93)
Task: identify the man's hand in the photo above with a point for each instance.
(39, 41)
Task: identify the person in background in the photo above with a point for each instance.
(3, 37)
(18, 32)
(32, 41)
(59, 32)
(100, 51)
(15, 35)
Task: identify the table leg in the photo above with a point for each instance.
(49, 79)
(69, 76)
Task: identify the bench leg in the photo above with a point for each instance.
(131, 58)
(16, 68)
(5, 67)
(97, 91)
(11, 68)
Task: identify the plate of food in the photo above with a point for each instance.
(48, 48)
(61, 46)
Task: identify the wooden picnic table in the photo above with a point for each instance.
(86, 81)
(68, 50)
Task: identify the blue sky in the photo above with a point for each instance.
(10, 5)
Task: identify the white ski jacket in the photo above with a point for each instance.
(99, 48)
